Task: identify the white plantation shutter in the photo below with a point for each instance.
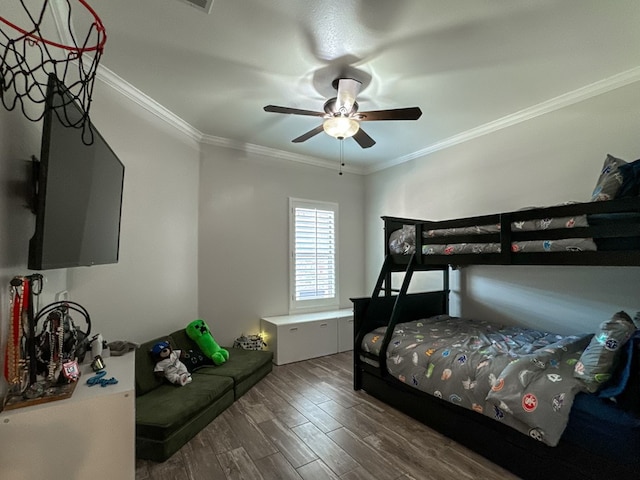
(314, 254)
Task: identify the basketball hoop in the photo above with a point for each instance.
(27, 58)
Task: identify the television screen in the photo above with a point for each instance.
(78, 190)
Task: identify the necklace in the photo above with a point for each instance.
(12, 357)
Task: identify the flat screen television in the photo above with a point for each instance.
(77, 190)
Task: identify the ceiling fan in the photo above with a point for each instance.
(341, 116)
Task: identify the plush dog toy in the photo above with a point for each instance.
(169, 365)
(199, 332)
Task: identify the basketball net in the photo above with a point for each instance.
(28, 56)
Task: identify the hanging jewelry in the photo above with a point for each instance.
(52, 343)
(12, 357)
(23, 366)
(60, 344)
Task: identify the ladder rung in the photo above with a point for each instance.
(387, 268)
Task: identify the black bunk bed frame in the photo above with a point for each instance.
(387, 306)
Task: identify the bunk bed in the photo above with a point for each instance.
(601, 437)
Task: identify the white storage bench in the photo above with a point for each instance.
(297, 337)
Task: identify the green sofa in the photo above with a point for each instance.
(168, 416)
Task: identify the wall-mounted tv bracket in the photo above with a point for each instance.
(32, 200)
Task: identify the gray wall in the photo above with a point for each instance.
(152, 290)
(550, 159)
(244, 235)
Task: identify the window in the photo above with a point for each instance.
(314, 255)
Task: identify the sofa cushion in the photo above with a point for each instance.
(159, 450)
(240, 365)
(183, 341)
(146, 378)
(168, 416)
(246, 367)
(163, 410)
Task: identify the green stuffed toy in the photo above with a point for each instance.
(199, 332)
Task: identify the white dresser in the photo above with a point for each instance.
(297, 337)
(88, 436)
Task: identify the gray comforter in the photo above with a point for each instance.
(403, 242)
(520, 377)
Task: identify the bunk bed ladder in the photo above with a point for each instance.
(395, 313)
(370, 317)
(384, 278)
(370, 313)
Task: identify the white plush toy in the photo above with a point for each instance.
(169, 365)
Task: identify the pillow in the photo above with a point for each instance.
(609, 181)
(403, 241)
(599, 359)
(630, 186)
(628, 357)
(195, 359)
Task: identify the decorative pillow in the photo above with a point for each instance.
(628, 358)
(403, 241)
(599, 359)
(195, 359)
(609, 181)
(630, 186)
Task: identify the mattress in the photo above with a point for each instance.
(403, 242)
(467, 362)
(487, 368)
(524, 226)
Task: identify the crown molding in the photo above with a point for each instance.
(150, 105)
(278, 154)
(147, 103)
(594, 89)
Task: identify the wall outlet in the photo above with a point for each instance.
(62, 296)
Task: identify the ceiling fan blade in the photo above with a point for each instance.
(292, 111)
(308, 135)
(348, 89)
(364, 140)
(410, 113)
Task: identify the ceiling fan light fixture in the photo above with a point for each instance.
(341, 127)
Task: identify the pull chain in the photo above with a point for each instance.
(341, 155)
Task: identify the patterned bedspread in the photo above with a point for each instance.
(518, 376)
(403, 241)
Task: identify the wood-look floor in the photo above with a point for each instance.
(305, 421)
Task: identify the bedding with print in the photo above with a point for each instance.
(518, 376)
(521, 225)
(403, 242)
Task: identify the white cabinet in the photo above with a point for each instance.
(88, 436)
(297, 337)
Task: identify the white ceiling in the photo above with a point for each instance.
(470, 65)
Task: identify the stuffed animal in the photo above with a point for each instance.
(199, 332)
(169, 365)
